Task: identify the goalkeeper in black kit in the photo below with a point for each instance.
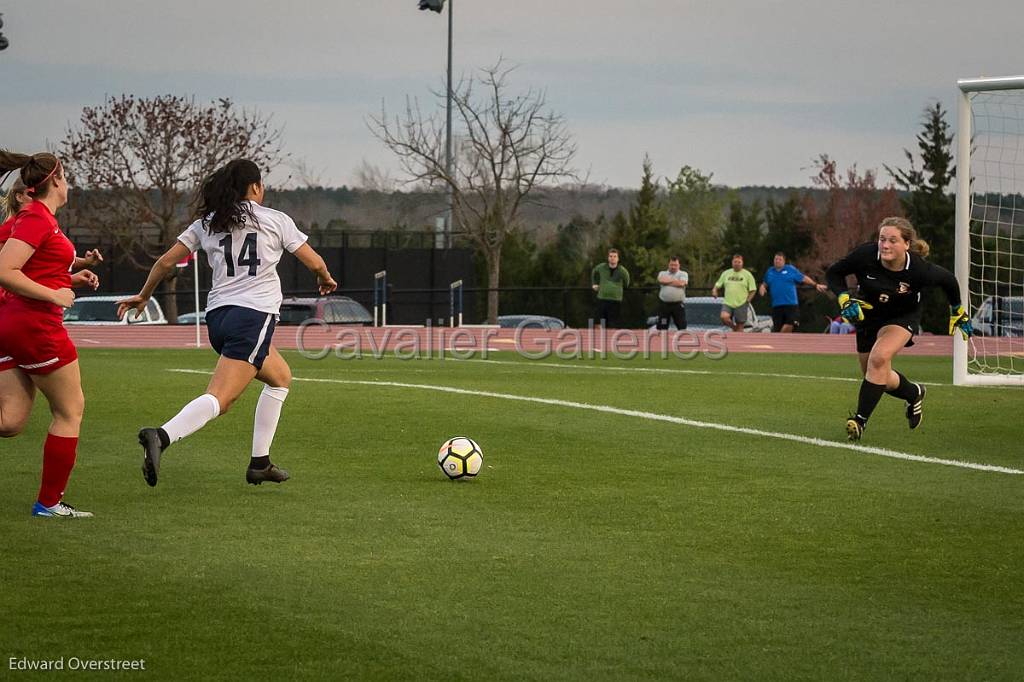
(886, 311)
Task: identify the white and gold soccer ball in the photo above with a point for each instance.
(460, 458)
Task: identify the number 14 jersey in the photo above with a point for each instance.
(244, 259)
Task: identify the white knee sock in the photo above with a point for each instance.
(268, 411)
(192, 417)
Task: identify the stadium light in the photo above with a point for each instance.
(437, 6)
(432, 5)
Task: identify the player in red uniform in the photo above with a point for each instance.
(16, 389)
(17, 392)
(35, 265)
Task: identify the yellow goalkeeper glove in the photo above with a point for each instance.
(852, 309)
(958, 319)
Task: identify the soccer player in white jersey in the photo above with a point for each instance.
(243, 241)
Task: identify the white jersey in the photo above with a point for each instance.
(672, 294)
(244, 260)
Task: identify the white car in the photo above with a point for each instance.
(999, 316)
(703, 313)
(102, 310)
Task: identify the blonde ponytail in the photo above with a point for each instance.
(920, 247)
(10, 202)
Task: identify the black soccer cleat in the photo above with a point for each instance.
(915, 410)
(149, 439)
(271, 473)
(855, 427)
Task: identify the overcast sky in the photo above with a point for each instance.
(750, 90)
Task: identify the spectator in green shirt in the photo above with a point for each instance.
(740, 288)
(608, 280)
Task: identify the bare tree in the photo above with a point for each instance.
(303, 176)
(849, 214)
(509, 144)
(374, 178)
(142, 160)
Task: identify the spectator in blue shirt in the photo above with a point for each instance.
(780, 281)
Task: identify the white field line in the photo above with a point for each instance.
(662, 370)
(652, 416)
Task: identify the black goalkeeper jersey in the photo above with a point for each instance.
(892, 293)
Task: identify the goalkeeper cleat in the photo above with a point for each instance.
(855, 427)
(915, 410)
(149, 439)
(271, 473)
(59, 510)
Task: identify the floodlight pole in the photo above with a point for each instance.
(448, 140)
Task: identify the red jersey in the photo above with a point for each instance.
(51, 263)
(5, 233)
(5, 229)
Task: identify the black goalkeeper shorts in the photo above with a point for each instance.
(867, 331)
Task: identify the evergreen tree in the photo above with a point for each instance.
(696, 214)
(789, 230)
(564, 261)
(517, 269)
(745, 233)
(643, 238)
(928, 203)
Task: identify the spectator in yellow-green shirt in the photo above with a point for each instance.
(740, 288)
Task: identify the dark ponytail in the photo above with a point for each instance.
(221, 201)
(37, 170)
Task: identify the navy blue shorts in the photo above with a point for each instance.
(241, 333)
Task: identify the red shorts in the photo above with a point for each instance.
(6, 361)
(35, 342)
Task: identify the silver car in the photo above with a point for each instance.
(703, 313)
(530, 322)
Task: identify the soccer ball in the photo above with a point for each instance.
(460, 457)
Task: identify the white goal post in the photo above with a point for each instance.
(990, 230)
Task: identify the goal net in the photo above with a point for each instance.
(990, 230)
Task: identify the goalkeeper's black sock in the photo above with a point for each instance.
(870, 394)
(906, 391)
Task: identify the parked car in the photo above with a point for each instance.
(530, 322)
(190, 318)
(103, 310)
(704, 313)
(330, 309)
(999, 316)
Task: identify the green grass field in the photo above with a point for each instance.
(593, 545)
